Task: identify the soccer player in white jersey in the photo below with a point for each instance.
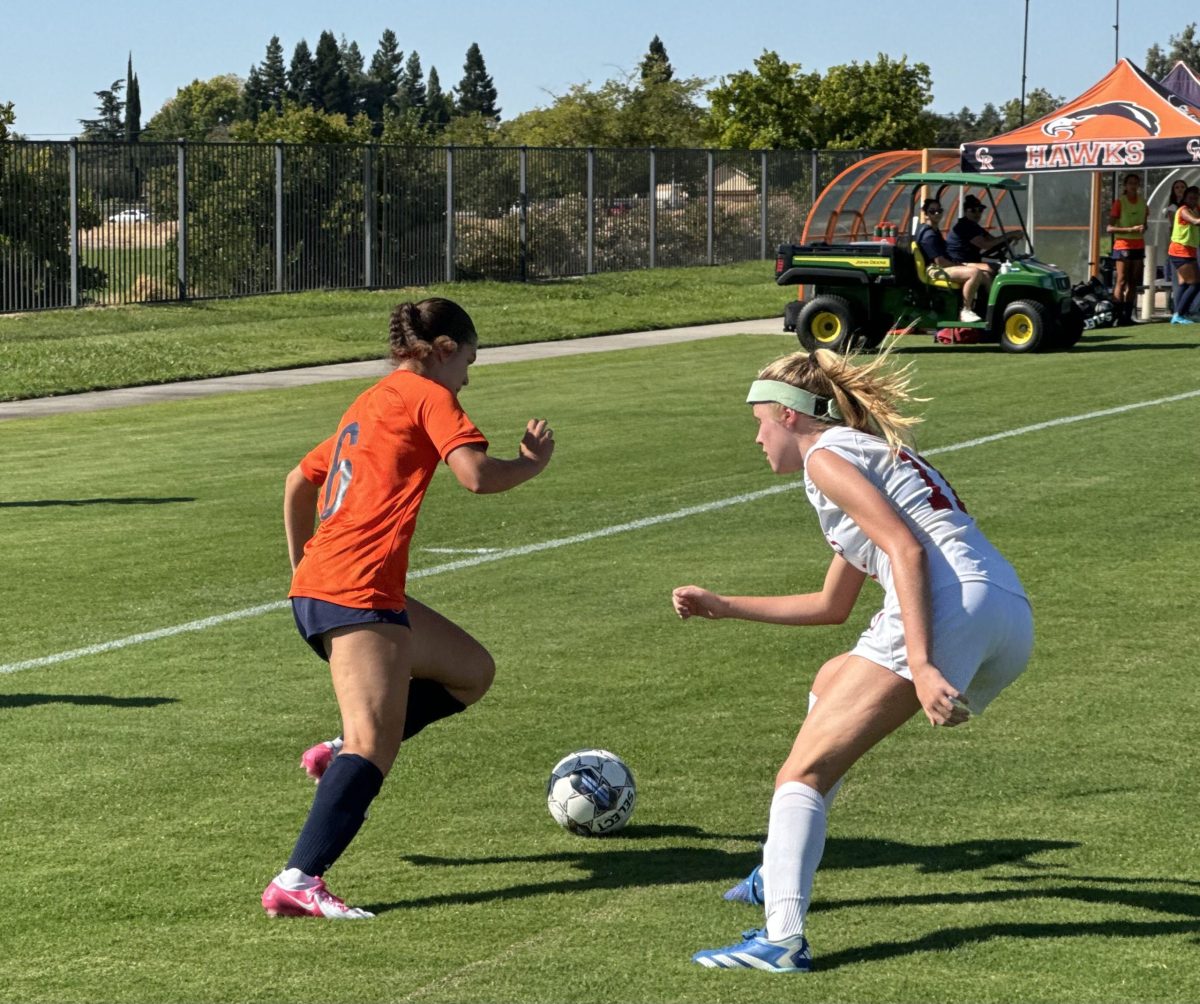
(955, 628)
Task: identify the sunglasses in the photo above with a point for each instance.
(934, 212)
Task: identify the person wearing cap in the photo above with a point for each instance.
(974, 277)
(968, 241)
(955, 628)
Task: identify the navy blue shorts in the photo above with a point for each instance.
(1179, 262)
(1129, 254)
(315, 617)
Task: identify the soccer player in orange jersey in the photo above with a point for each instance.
(396, 664)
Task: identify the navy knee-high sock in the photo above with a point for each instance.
(337, 813)
(428, 701)
(1187, 299)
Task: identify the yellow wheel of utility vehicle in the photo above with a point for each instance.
(1025, 326)
(827, 322)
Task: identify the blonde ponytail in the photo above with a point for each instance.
(869, 395)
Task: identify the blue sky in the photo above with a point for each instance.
(54, 55)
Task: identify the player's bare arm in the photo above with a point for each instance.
(483, 474)
(832, 605)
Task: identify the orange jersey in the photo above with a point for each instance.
(375, 471)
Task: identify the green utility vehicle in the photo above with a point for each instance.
(857, 291)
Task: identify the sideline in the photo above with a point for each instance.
(579, 538)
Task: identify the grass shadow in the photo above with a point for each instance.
(86, 700)
(131, 500)
(610, 864)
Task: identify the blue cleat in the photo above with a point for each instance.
(756, 952)
(749, 890)
(1179, 319)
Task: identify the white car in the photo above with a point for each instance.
(129, 216)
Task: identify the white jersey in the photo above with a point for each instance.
(955, 548)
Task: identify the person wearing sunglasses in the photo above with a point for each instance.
(975, 277)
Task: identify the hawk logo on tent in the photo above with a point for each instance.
(1064, 126)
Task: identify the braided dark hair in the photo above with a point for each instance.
(416, 329)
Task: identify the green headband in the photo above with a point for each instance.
(779, 392)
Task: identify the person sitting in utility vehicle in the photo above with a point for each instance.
(967, 241)
(975, 277)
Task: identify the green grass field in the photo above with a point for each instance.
(68, 351)
(1045, 852)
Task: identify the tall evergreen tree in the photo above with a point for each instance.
(254, 96)
(274, 76)
(133, 105)
(438, 106)
(656, 67)
(411, 94)
(383, 77)
(356, 76)
(300, 75)
(331, 83)
(109, 124)
(476, 91)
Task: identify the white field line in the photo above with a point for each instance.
(578, 538)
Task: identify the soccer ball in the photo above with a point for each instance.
(591, 792)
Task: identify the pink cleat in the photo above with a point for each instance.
(316, 759)
(294, 894)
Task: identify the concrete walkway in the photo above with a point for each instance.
(97, 400)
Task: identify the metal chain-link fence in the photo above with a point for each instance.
(112, 223)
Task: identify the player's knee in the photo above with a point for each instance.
(480, 678)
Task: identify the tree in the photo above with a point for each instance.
(254, 96)
(109, 125)
(300, 75)
(352, 63)
(476, 91)
(656, 67)
(330, 82)
(438, 105)
(133, 105)
(878, 106)
(411, 93)
(383, 78)
(1184, 46)
(203, 110)
(1038, 102)
(769, 107)
(8, 117)
(581, 117)
(303, 124)
(274, 76)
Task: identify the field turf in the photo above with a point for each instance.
(1045, 852)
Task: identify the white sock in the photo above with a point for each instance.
(795, 842)
(294, 878)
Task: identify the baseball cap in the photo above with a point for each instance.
(971, 202)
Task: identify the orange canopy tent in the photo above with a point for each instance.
(1127, 120)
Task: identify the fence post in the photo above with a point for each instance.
(181, 224)
(369, 216)
(523, 211)
(450, 213)
(591, 210)
(653, 207)
(762, 194)
(711, 206)
(73, 171)
(816, 188)
(279, 216)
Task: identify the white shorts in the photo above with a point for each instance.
(982, 639)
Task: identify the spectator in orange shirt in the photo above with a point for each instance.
(396, 664)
